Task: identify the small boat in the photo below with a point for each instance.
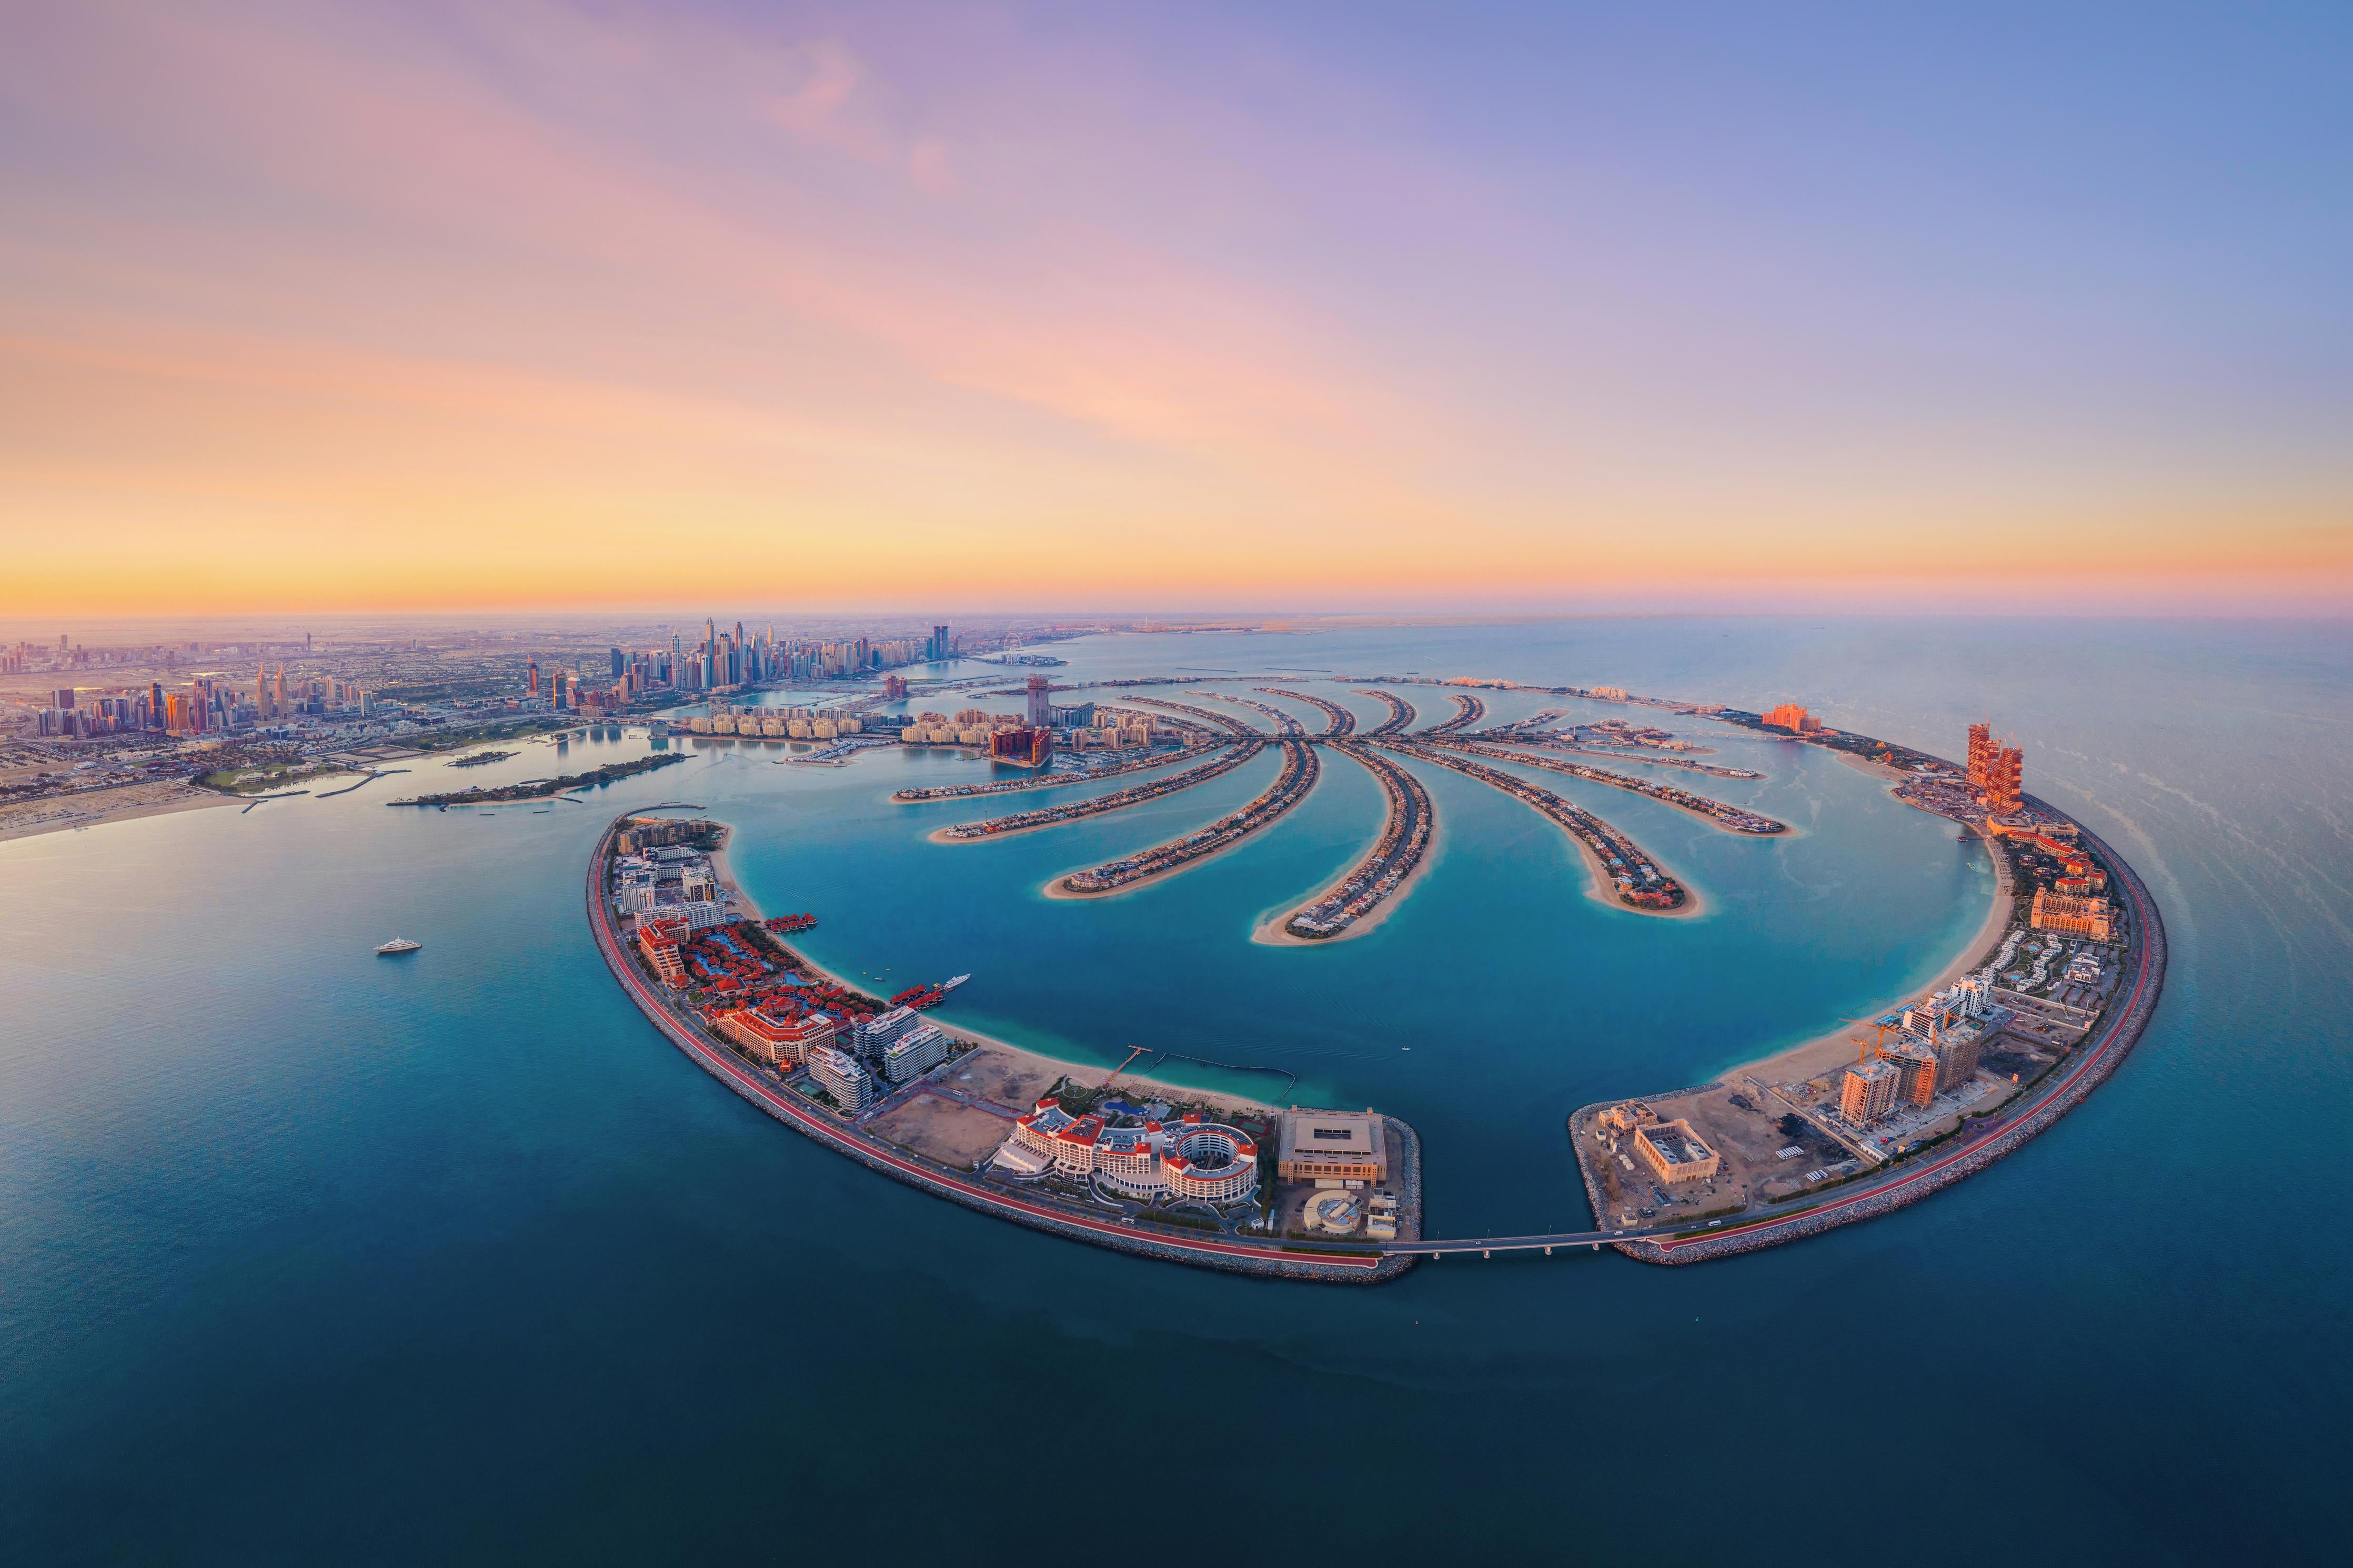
(397, 946)
(952, 984)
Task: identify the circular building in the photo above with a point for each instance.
(1213, 1162)
(1335, 1213)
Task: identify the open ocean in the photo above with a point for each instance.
(308, 1256)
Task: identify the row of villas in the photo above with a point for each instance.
(1191, 1159)
(1638, 881)
(1405, 835)
(1055, 781)
(1300, 768)
(778, 724)
(1095, 806)
(1731, 816)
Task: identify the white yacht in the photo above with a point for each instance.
(398, 944)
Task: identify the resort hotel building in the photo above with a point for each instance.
(1189, 1159)
(774, 1039)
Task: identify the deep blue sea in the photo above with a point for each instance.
(307, 1257)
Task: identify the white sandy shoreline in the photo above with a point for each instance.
(1083, 1072)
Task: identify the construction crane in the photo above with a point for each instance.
(1877, 1047)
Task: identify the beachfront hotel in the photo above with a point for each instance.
(774, 1038)
(1188, 1159)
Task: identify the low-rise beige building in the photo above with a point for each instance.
(1336, 1146)
(1675, 1153)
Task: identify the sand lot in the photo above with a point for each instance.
(961, 1136)
(25, 818)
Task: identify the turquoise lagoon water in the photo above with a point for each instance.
(306, 1256)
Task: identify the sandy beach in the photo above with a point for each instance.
(1018, 1066)
(1271, 932)
(92, 808)
(1601, 887)
(1836, 1048)
(1055, 889)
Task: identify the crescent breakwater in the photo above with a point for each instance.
(1731, 818)
(1332, 1263)
(1624, 867)
(1992, 1118)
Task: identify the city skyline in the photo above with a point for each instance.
(527, 307)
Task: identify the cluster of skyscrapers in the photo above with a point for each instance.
(728, 658)
(209, 705)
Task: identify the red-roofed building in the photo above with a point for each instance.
(1074, 1146)
(658, 940)
(774, 1037)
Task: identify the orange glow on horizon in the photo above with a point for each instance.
(809, 336)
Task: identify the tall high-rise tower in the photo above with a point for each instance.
(1041, 703)
(1980, 751)
(1997, 770)
(710, 654)
(2005, 780)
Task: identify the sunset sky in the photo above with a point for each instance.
(415, 305)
